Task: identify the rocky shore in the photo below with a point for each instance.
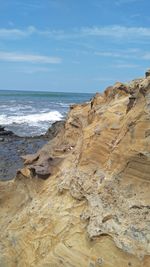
(13, 147)
(83, 199)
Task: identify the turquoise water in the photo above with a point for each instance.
(31, 113)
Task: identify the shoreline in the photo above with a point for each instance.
(13, 147)
(87, 188)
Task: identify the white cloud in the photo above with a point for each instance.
(15, 33)
(117, 31)
(30, 58)
(133, 53)
(112, 31)
(109, 54)
(128, 53)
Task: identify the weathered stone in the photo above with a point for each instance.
(94, 208)
(56, 128)
(131, 103)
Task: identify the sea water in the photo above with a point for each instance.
(30, 113)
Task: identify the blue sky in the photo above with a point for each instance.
(72, 45)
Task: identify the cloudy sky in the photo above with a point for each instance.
(72, 45)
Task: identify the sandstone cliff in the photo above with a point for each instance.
(83, 199)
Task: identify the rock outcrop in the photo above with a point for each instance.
(12, 147)
(4, 132)
(83, 199)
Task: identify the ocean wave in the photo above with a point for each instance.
(3, 106)
(64, 105)
(59, 103)
(18, 108)
(15, 107)
(13, 101)
(32, 119)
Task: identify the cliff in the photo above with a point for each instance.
(83, 199)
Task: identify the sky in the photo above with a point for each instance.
(72, 45)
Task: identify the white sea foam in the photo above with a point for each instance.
(63, 105)
(32, 119)
(18, 108)
(3, 106)
(14, 108)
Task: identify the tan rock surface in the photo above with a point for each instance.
(84, 200)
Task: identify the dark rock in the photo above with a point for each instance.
(55, 129)
(11, 150)
(147, 133)
(10, 133)
(100, 261)
(147, 73)
(13, 147)
(4, 132)
(131, 103)
(44, 166)
(42, 172)
(1, 128)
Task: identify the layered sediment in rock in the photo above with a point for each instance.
(83, 199)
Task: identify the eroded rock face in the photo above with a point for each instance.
(94, 207)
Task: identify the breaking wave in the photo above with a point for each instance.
(32, 119)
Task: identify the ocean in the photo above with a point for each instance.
(30, 113)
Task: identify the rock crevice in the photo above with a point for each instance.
(92, 205)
